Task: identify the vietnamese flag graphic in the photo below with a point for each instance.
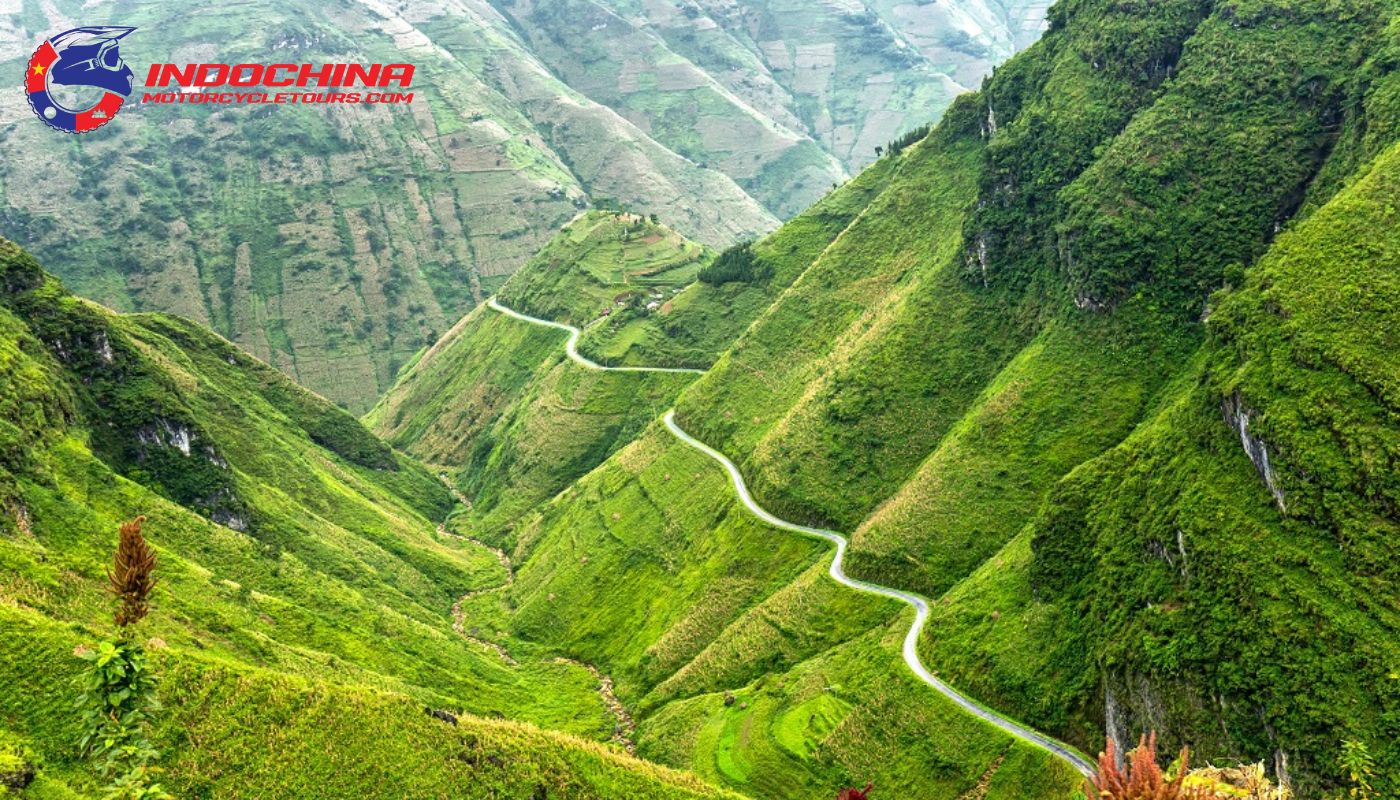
(36, 78)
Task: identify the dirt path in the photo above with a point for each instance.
(624, 728)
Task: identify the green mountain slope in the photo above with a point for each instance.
(332, 242)
(291, 543)
(602, 261)
(1284, 435)
(745, 665)
(496, 404)
(1038, 378)
(1141, 233)
(704, 318)
(329, 740)
(335, 242)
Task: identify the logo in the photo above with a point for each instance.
(77, 81)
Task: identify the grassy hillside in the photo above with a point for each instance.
(603, 261)
(744, 663)
(1102, 366)
(290, 541)
(233, 731)
(704, 318)
(1285, 436)
(496, 404)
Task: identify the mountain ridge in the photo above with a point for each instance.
(336, 242)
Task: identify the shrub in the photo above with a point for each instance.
(1143, 779)
(119, 687)
(738, 263)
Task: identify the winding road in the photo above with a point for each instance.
(572, 346)
(837, 571)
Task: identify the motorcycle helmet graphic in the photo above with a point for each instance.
(87, 57)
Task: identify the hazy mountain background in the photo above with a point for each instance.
(337, 242)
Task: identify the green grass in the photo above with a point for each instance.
(852, 715)
(703, 600)
(332, 578)
(229, 730)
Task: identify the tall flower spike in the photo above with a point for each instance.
(132, 577)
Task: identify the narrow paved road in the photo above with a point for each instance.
(572, 346)
(920, 605)
(838, 573)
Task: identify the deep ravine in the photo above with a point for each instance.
(837, 572)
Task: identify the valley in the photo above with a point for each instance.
(709, 451)
(337, 242)
(919, 604)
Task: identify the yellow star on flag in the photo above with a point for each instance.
(38, 69)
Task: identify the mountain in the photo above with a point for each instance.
(306, 590)
(784, 97)
(645, 563)
(335, 242)
(495, 404)
(1101, 365)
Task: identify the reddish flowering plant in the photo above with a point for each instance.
(132, 577)
(1142, 778)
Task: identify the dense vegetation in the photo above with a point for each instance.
(332, 579)
(1101, 363)
(736, 263)
(1104, 364)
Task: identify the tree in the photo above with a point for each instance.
(738, 263)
